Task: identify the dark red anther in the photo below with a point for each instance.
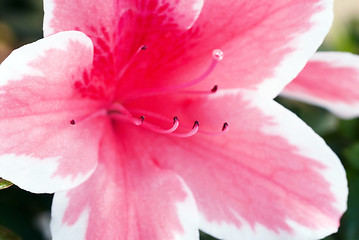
(225, 126)
(175, 119)
(144, 47)
(142, 119)
(72, 122)
(214, 89)
(196, 124)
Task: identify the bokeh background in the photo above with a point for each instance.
(26, 216)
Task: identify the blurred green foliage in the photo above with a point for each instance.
(21, 211)
(7, 234)
(23, 19)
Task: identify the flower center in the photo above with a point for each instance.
(126, 116)
(119, 112)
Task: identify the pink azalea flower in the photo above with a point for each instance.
(154, 119)
(329, 80)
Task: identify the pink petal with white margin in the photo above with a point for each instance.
(269, 177)
(265, 44)
(40, 150)
(329, 80)
(128, 197)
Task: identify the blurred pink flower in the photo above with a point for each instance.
(160, 120)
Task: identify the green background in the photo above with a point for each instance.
(27, 214)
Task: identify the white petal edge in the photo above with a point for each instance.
(15, 168)
(188, 215)
(9, 68)
(187, 212)
(196, 8)
(295, 61)
(62, 231)
(49, 7)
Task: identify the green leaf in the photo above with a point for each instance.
(204, 236)
(352, 155)
(7, 234)
(5, 184)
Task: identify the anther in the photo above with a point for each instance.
(157, 129)
(175, 119)
(189, 134)
(225, 127)
(224, 131)
(81, 118)
(214, 89)
(132, 59)
(139, 121)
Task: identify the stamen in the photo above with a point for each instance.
(224, 131)
(125, 115)
(163, 131)
(101, 112)
(189, 134)
(128, 64)
(149, 114)
(213, 90)
(138, 121)
(118, 108)
(196, 124)
(156, 128)
(217, 55)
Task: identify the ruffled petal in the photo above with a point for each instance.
(41, 151)
(128, 197)
(329, 80)
(269, 177)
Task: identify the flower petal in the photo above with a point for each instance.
(40, 150)
(329, 80)
(265, 44)
(90, 17)
(128, 197)
(269, 177)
